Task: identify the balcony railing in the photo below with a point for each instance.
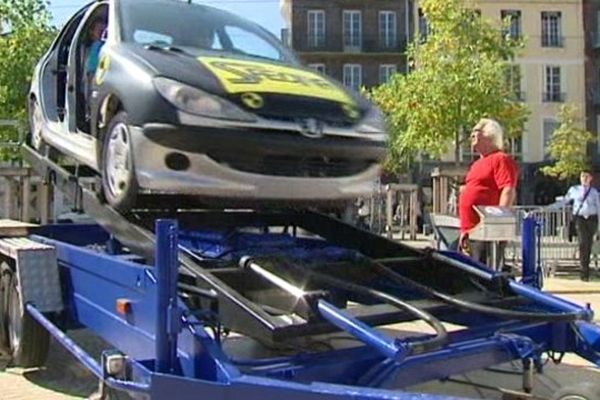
(553, 97)
(553, 41)
(339, 43)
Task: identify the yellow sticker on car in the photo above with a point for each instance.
(241, 76)
(103, 67)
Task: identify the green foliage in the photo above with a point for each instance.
(459, 76)
(26, 35)
(568, 146)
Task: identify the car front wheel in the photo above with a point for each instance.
(119, 184)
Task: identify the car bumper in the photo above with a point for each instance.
(207, 176)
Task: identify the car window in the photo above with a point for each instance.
(249, 43)
(147, 37)
(181, 24)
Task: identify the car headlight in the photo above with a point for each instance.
(195, 101)
(373, 122)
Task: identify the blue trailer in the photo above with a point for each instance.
(205, 304)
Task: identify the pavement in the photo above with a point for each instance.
(64, 378)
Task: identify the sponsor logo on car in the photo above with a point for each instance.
(240, 76)
(253, 100)
(103, 67)
(311, 128)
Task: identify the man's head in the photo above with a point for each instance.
(586, 177)
(97, 29)
(487, 136)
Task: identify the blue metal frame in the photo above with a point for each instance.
(170, 351)
(533, 274)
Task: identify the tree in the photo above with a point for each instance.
(568, 146)
(26, 35)
(458, 77)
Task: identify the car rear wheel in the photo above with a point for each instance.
(119, 184)
(36, 125)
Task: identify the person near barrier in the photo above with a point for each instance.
(586, 206)
(490, 181)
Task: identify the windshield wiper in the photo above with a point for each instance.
(173, 49)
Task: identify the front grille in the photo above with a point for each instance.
(296, 109)
(292, 165)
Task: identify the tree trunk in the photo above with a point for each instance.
(457, 136)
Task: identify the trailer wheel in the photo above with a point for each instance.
(110, 394)
(28, 340)
(4, 285)
(582, 391)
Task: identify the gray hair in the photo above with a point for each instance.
(492, 129)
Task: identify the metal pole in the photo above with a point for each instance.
(26, 187)
(529, 252)
(389, 347)
(8, 197)
(388, 212)
(166, 304)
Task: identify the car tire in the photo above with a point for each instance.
(29, 341)
(582, 391)
(119, 184)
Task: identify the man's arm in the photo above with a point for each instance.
(566, 199)
(506, 178)
(507, 196)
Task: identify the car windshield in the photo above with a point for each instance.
(179, 24)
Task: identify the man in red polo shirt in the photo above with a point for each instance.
(491, 181)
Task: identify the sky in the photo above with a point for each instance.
(263, 12)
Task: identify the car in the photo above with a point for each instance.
(189, 100)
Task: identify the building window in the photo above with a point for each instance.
(596, 32)
(386, 71)
(551, 29)
(352, 29)
(320, 68)
(550, 125)
(316, 28)
(387, 29)
(423, 26)
(515, 148)
(514, 23)
(553, 93)
(353, 76)
(598, 131)
(513, 81)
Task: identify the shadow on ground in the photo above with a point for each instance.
(64, 373)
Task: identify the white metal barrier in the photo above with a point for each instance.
(556, 249)
(391, 209)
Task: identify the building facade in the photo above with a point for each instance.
(550, 70)
(591, 25)
(359, 43)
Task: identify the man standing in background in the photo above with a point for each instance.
(586, 206)
(491, 181)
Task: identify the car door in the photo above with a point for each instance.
(77, 87)
(53, 74)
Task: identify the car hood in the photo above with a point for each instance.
(269, 89)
